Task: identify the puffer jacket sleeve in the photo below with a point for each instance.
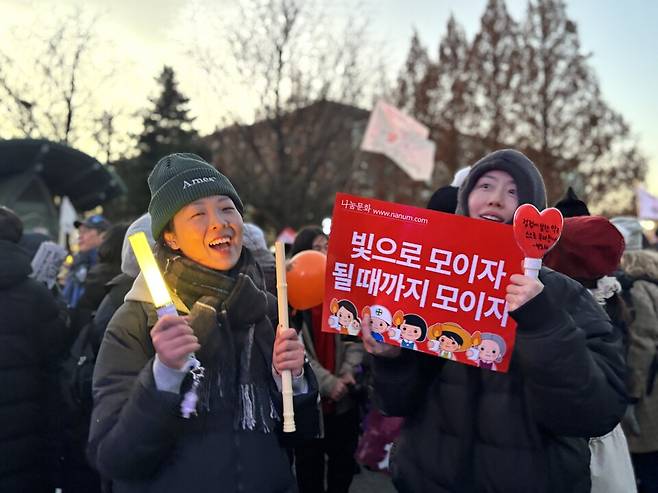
(643, 338)
(401, 383)
(54, 335)
(101, 320)
(326, 380)
(134, 426)
(571, 360)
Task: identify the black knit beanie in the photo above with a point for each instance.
(444, 199)
(530, 186)
(180, 179)
(571, 206)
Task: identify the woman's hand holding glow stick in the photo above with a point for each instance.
(174, 341)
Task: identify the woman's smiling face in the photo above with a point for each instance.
(494, 197)
(209, 232)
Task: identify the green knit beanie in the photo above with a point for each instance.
(180, 179)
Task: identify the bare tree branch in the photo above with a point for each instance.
(51, 89)
(292, 64)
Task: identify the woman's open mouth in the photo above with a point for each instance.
(220, 244)
(492, 217)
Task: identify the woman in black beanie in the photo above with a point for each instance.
(232, 441)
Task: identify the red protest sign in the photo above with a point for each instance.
(537, 232)
(432, 282)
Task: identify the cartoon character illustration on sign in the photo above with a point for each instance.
(449, 338)
(344, 316)
(489, 352)
(412, 330)
(395, 332)
(381, 320)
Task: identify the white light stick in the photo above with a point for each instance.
(282, 296)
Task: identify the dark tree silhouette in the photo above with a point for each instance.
(494, 76)
(50, 76)
(526, 86)
(565, 124)
(168, 127)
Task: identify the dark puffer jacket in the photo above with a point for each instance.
(140, 441)
(472, 430)
(31, 340)
(116, 289)
(95, 289)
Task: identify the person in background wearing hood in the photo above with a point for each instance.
(335, 360)
(31, 344)
(90, 236)
(471, 430)
(148, 434)
(640, 281)
(254, 240)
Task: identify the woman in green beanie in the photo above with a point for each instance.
(232, 440)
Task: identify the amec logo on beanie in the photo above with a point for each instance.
(197, 181)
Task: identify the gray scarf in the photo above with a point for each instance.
(229, 317)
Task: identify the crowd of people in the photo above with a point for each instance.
(104, 392)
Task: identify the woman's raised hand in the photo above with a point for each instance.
(374, 347)
(173, 340)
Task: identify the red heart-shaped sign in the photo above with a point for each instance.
(536, 233)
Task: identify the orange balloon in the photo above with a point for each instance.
(305, 278)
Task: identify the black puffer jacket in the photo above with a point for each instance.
(472, 430)
(31, 334)
(116, 292)
(138, 438)
(95, 288)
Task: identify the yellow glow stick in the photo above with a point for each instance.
(152, 275)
